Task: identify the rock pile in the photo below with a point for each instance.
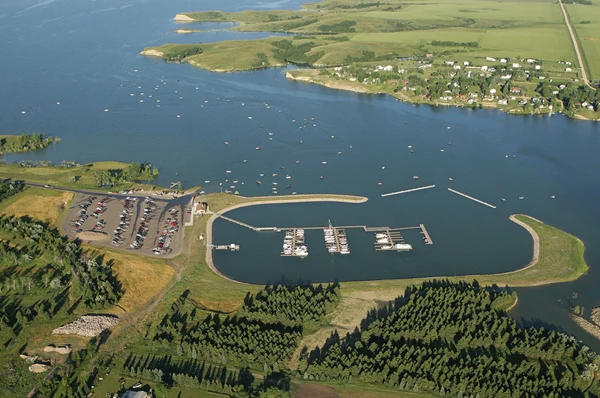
(38, 368)
(64, 349)
(88, 325)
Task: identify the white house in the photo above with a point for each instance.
(537, 67)
(502, 102)
(568, 70)
(493, 91)
(515, 65)
(449, 63)
(505, 77)
(531, 60)
(388, 68)
(456, 67)
(484, 68)
(490, 59)
(466, 63)
(503, 60)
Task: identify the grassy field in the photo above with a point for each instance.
(588, 34)
(60, 176)
(41, 204)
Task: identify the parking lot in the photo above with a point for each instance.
(144, 225)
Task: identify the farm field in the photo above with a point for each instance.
(588, 34)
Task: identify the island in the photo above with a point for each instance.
(524, 58)
(25, 142)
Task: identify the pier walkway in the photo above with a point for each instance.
(472, 198)
(341, 228)
(407, 191)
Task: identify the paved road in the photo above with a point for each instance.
(576, 46)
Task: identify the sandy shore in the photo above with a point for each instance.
(337, 85)
(290, 199)
(152, 53)
(183, 18)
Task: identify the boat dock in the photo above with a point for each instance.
(472, 198)
(391, 240)
(407, 191)
(232, 246)
(426, 236)
(293, 244)
(336, 240)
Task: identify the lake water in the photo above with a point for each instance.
(84, 54)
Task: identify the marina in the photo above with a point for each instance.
(293, 244)
(391, 240)
(336, 240)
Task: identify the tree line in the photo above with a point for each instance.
(291, 304)
(24, 143)
(448, 339)
(232, 339)
(98, 287)
(135, 172)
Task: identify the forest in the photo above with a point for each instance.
(97, 287)
(448, 339)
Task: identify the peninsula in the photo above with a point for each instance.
(459, 53)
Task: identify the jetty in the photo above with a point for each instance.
(407, 191)
(472, 198)
(426, 236)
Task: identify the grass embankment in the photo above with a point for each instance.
(74, 177)
(38, 203)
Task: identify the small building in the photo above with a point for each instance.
(456, 67)
(502, 102)
(538, 67)
(466, 63)
(449, 63)
(505, 77)
(490, 59)
(484, 68)
(531, 60)
(493, 91)
(568, 70)
(503, 60)
(516, 90)
(516, 65)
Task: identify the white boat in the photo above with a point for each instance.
(386, 247)
(383, 240)
(552, 197)
(415, 177)
(257, 148)
(287, 177)
(402, 247)
(379, 236)
(323, 162)
(228, 171)
(207, 182)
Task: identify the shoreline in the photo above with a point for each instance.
(292, 199)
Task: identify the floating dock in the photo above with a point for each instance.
(472, 198)
(426, 236)
(293, 244)
(233, 247)
(407, 191)
(336, 240)
(391, 240)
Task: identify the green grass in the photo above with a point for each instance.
(547, 43)
(59, 175)
(588, 35)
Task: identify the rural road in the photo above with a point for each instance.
(576, 46)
